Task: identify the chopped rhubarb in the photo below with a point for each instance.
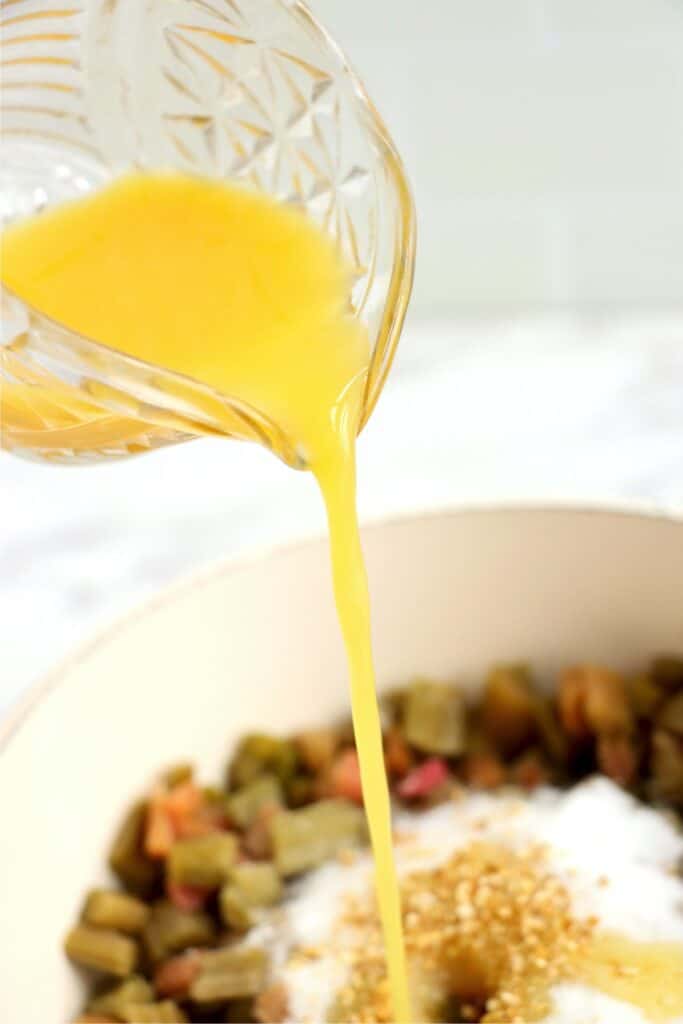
(423, 780)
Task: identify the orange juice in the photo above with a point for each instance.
(648, 975)
(249, 297)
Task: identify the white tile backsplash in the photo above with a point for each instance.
(638, 19)
(499, 244)
(543, 139)
(379, 22)
(624, 245)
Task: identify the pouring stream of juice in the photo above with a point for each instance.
(245, 295)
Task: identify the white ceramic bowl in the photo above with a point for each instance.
(255, 644)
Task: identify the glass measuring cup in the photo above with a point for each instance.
(252, 91)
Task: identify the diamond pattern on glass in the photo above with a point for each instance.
(242, 101)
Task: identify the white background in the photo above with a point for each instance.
(544, 139)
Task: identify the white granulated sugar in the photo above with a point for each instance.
(314, 906)
(576, 1004)
(593, 832)
(598, 830)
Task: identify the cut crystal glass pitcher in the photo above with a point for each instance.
(250, 91)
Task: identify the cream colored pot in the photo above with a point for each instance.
(255, 643)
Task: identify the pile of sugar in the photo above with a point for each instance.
(616, 857)
(577, 1004)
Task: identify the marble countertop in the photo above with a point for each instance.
(478, 411)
